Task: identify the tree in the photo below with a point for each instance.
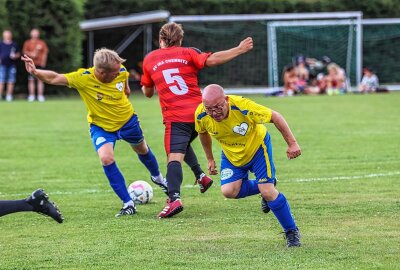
(59, 25)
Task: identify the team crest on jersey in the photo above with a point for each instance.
(99, 96)
(226, 174)
(119, 86)
(241, 129)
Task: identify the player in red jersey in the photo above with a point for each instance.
(172, 71)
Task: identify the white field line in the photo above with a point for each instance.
(296, 180)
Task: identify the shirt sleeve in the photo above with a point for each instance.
(146, 80)
(199, 58)
(198, 123)
(259, 114)
(74, 79)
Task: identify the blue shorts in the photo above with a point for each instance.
(7, 74)
(261, 165)
(130, 132)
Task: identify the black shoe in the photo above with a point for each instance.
(264, 204)
(293, 238)
(163, 185)
(41, 204)
(126, 211)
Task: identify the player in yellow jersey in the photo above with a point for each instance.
(104, 89)
(237, 123)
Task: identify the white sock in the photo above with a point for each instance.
(130, 203)
(159, 178)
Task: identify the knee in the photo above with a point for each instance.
(107, 159)
(269, 192)
(229, 191)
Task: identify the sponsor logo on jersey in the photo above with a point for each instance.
(99, 96)
(226, 174)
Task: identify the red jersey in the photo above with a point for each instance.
(173, 72)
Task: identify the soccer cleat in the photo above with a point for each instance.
(162, 184)
(204, 182)
(293, 238)
(171, 209)
(41, 204)
(264, 204)
(130, 210)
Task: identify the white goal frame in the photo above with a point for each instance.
(273, 74)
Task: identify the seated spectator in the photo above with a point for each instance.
(369, 82)
(302, 73)
(335, 80)
(290, 81)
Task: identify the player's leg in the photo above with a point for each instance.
(132, 133)
(202, 179)
(176, 140)
(104, 142)
(264, 170)
(37, 202)
(234, 181)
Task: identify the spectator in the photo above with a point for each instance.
(290, 81)
(302, 73)
(369, 82)
(37, 50)
(9, 53)
(335, 80)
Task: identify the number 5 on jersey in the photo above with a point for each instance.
(175, 79)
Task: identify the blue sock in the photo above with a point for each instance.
(117, 181)
(150, 161)
(281, 209)
(248, 188)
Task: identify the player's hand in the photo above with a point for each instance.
(246, 45)
(29, 65)
(212, 167)
(293, 151)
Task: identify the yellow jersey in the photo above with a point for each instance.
(107, 105)
(241, 133)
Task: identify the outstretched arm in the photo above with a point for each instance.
(219, 58)
(280, 123)
(206, 142)
(46, 76)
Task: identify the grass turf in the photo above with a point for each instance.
(344, 193)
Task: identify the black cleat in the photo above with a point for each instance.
(163, 184)
(264, 204)
(293, 238)
(126, 211)
(41, 204)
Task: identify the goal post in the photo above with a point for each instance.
(340, 40)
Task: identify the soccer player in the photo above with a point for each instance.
(104, 89)
(172, 71)
(237, 123)
(37, 202)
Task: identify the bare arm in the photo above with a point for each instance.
(206, 142)
(148, 91)
(280, 123)
(46, 76)
(222, 57)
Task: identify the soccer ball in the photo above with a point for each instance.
(140, 191)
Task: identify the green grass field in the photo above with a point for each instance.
(344, 192)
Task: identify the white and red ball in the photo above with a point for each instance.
(140, 191)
